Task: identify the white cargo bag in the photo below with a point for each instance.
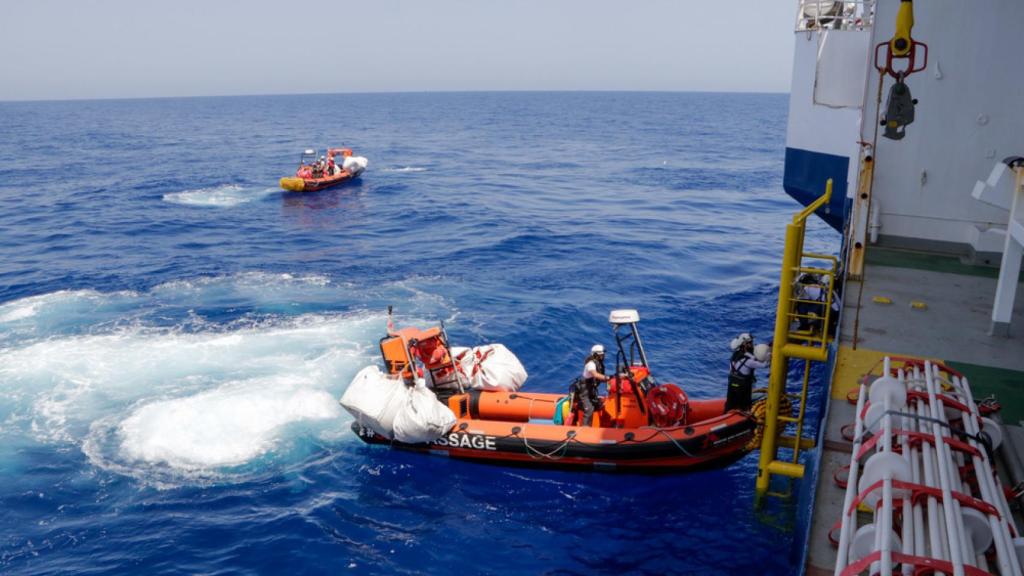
(492, 367)
(422, 418)
(354, 164)
(375, 400)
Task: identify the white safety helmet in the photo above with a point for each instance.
(761, 352)
(740, 341)
(597, 349)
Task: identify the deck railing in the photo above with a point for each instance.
(835, 14)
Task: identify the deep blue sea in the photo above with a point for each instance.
(175, 331)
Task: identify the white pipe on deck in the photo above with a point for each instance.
(933, 464)
(910, 525)
(1005, 554)
(936, 528)
(849, 523)
(950, 507)
(886, 528)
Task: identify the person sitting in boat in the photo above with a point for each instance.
(587, 399)
(745, 359)
(319, 167)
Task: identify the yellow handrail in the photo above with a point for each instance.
(807, 346)
(801, 216)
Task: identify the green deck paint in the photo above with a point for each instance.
(1007, 385)
(896, 258)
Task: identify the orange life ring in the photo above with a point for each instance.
(668, 405)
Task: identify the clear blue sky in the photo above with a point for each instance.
(65, 49)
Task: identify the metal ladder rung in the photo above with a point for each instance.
(808, 345)
(790, 442)
(783, 468)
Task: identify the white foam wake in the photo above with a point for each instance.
(253, 287)
(185, 400)
(224, 196)
(405, 169)
(20, 312)
(73, 378)
(62, 301)
(227, 426)
(147, 387)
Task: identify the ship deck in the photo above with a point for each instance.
(950, 323)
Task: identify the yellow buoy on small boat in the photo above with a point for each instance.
(293, 184)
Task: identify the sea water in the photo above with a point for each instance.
(175, 331)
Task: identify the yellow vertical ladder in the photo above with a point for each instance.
(809, 345)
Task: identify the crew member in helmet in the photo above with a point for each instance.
(812, 290)
(586, 387)
(746, 357)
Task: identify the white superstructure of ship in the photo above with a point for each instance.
(929, 217)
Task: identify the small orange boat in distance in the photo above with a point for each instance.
(316, 173)
(642, 425)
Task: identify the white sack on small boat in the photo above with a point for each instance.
(375, 399)
(354, 164)
(422, 418)
(491, 367)
(409, 414)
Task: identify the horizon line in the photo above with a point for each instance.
(382, 92)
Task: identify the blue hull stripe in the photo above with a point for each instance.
(804, 180)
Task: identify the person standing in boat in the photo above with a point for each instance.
(746, 358)
(586, 387)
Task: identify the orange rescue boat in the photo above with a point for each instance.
(337, 166)
(642, 425)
